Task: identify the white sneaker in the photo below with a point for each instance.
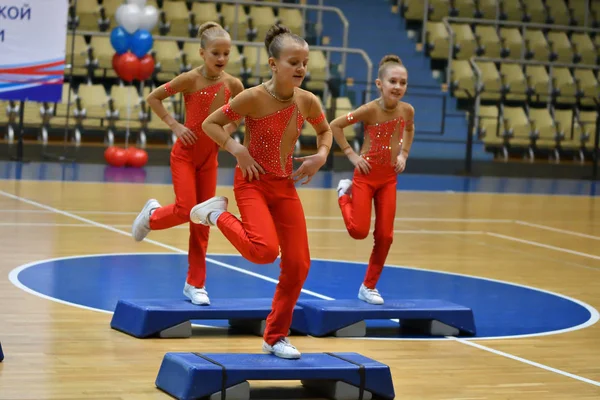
(282, 349)
(200, 213)
(198, 296)
(371, 296)
(141, 225)
(344, 187)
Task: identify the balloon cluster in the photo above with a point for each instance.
(132, 40)
(131, 157)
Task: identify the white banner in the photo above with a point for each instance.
(33, 36)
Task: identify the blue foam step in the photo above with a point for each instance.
(324, 317)
(145, 318)
(1, 353)
(187, 376)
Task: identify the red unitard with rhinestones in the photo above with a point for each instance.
(194, 171)
(380, 149)
(272, 217)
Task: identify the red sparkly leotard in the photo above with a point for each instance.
(271, 139)
(382, 140)
(198, 104)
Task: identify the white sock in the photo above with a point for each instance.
(214, 216)
(340, 194)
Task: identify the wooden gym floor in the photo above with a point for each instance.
(547, 242)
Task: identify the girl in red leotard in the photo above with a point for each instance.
(194, 155)
(389, 131)
(272, 218)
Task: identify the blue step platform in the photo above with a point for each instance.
(325, 317)
(147, 318)
(1, 353)
(187, 376)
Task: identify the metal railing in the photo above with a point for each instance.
(426, 15)
(327, 49)
(523, 25)
(320, 8)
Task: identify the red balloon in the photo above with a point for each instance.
(146, 67)
(115, 63)
(128, 67)
(136, 158)
(115, 156)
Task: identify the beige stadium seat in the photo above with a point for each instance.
(515, 81)
(94, 102)
(465, 40)
(203, 12)
(88, 14)
(167, 56)
(569, 130)
(110, 9)
(493, 138)
(80, 56)
(579, 10)
(57, 112)
(124, 102)
(437, 40)
(463, 79)
(103, 53)
(584, 47)
(492, 83)
(230, 22)
(439, 9)
(558, 12)
(588, 85)
(537, 44)
(535, 10)
(34, 114)
(413, 10)
(517, 126)
(563, 81)
(488, 40)
(465, 8)
(512, 9)
(538, 80)
(487, 9)
(546, 131)
(587, 120)
(292, 18)
(317, 68)
(561, 46)
(512, 41)
(177, 17)
(261, 19)
(256, 60)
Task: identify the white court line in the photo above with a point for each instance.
(163, 245)
(308, 217)
(185, 227)
(549, 228)
(545, 246)
(34, 203)
(525, 361)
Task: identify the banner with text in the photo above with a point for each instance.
(33, 36)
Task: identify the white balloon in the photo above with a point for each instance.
(149, 18)
(119, 14)
(130, 17)
(139, 3)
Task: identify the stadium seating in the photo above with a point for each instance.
(539, 109)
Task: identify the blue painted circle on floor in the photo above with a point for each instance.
(500, 308)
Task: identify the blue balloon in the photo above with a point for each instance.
(120, 40)
(141, 42)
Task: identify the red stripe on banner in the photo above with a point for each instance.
(33, 70)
